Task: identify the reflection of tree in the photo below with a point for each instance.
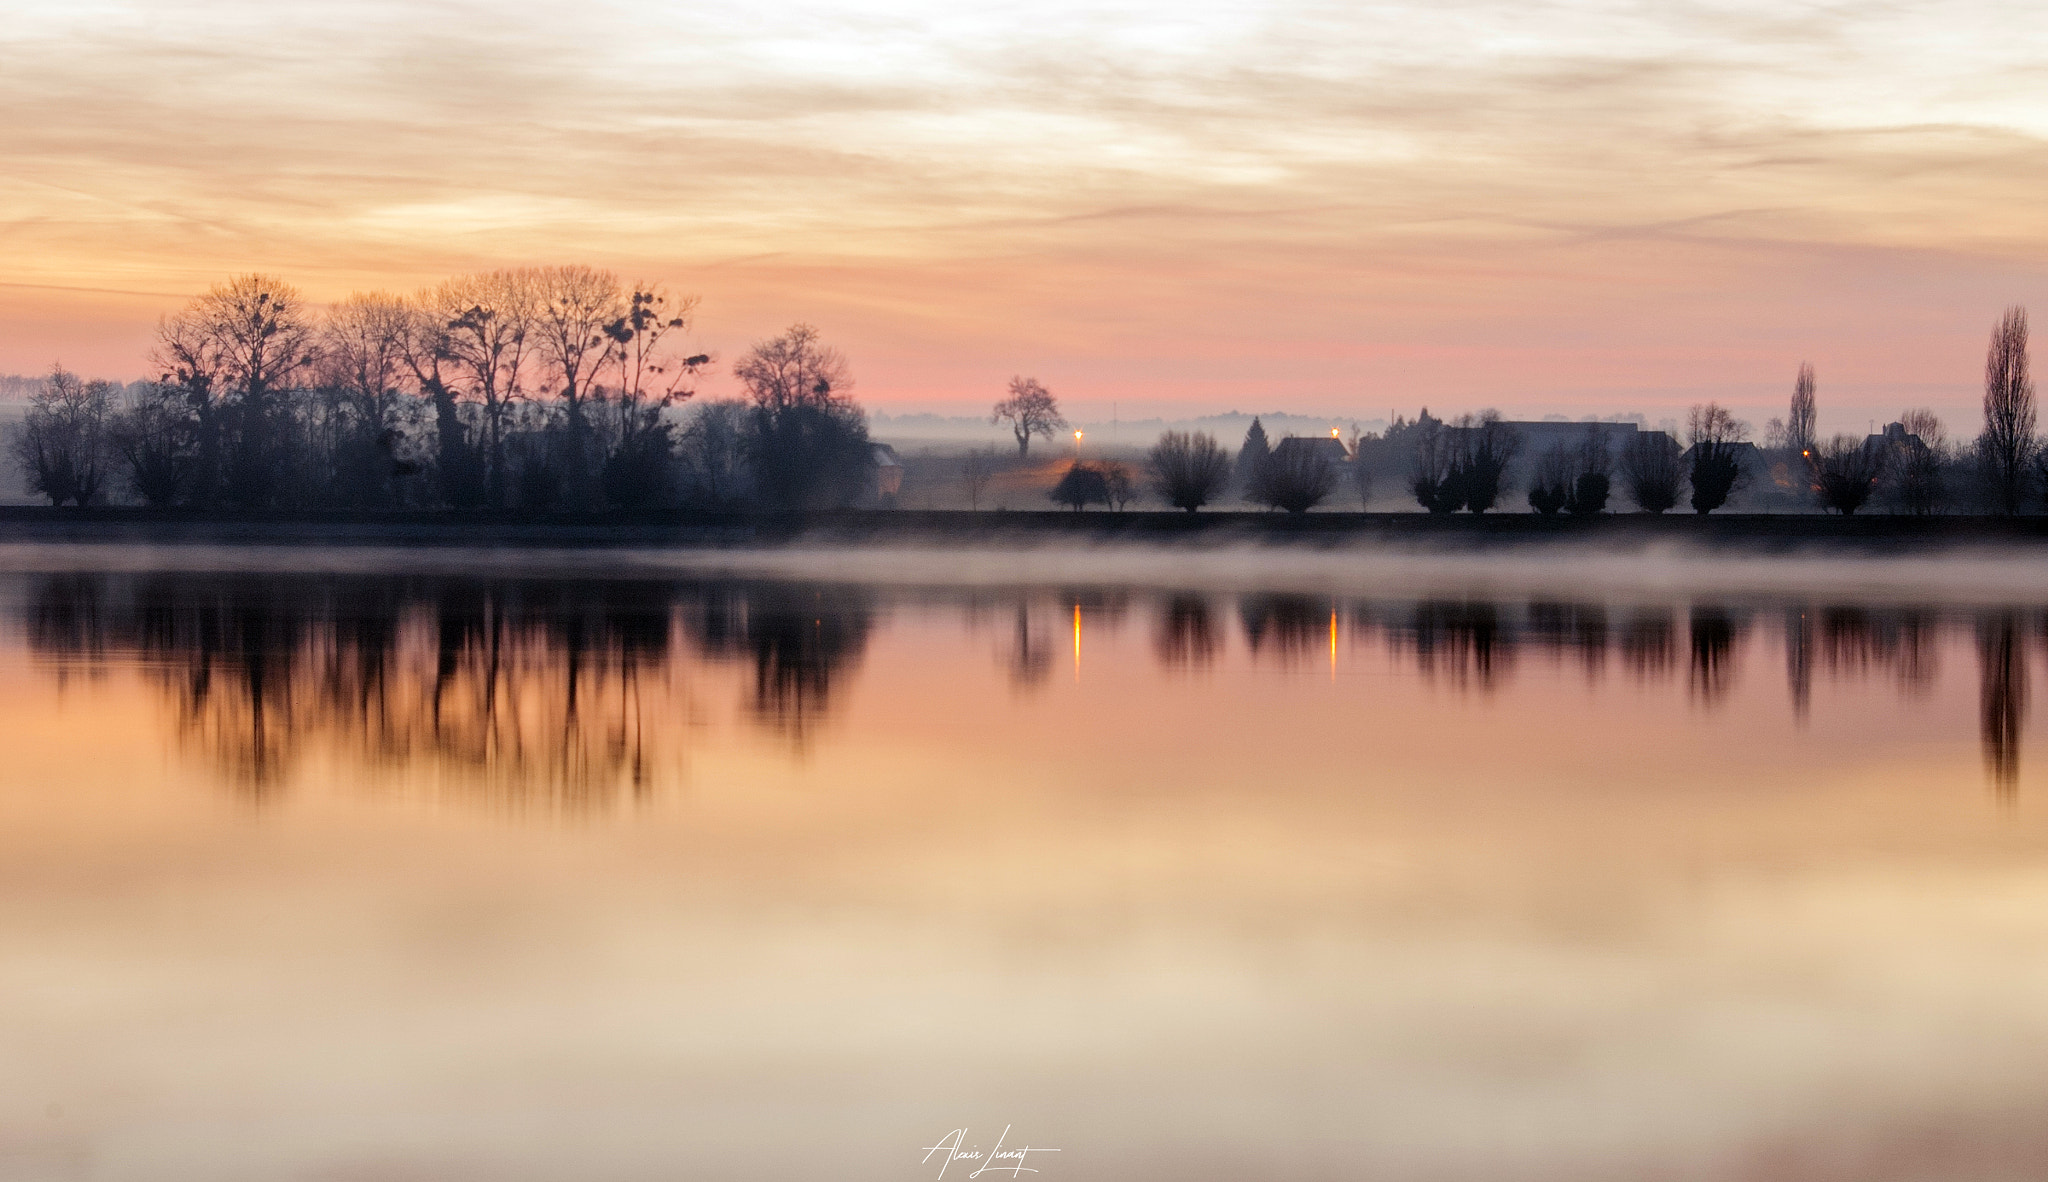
(1713, 634)
(1577, 628)
(1291, 626)
(2002, 702)
(798, 640)
(1649, 643)
(1799, 658)
(562, 691)
(1187, 633)
(1029, 655)
(1462, 640)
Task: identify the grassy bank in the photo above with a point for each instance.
(951, 527)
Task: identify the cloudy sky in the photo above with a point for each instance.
(1545, 207)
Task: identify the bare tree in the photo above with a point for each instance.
(794, 369)
(975, 473)
(1030, 410)
(1295, 479)
(1918, 483)
(653, 376)
(1799, 425)
(363, 417)
(1592, 474)
(63, 442)
(1361, 468)
(713, 449)
(157, 440)
(1845, 472)
(1188, 469)
(1435, 482)
(236, 353)
(1650, 471)
(1489, 446)
(575, 310)
(1550, 488)
(2007, 443)
(1116, 479)
(1716, 437)
(807, 441)
(483, 327)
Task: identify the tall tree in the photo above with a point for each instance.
(2007, 442)
(487, 334)
(1716, 438)
(1252, 456)
(63, 442)
(1651, 472)
(574, 309)
(1031, 410)
(236, 353)
(1188, 469)
(807, 441)
(1799, 425)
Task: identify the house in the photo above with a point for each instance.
(888, 473)
(1896, 440)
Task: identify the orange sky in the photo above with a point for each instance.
(1571, 208)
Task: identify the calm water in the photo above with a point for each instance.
(426, 870)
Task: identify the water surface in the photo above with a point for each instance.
(438, 870)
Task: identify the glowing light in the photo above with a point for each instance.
(1077, 625)
(1333, 644)
(1333, 433)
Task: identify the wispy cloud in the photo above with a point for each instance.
(1329, 204)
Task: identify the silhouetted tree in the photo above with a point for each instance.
(1550, 487)
(1080, 487)
(1362, 472)
(1030, 410)
(63, 443)
(1716, 466)
(156, 439)
(1845, 472)
(975, 473)
(1437, 481)
(1799, 425)
(1188, 469)
(484, 328)
(1650, 471)
(807, 441)
(639, 469)
(1116, 481)
(2007, 442)
(712, 449)
(1488, 446)
(1251, 457)
(1592, 478)
(1295, 479)
(1918, 471)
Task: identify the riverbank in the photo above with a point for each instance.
(1743, 532)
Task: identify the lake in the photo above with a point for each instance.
(389, 864)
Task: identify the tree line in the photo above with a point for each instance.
(1467, 464)
(538, 389)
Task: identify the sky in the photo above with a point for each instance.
(1176, 208)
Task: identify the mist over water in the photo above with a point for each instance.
(1194, 864)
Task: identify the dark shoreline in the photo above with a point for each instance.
(1735, 532)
